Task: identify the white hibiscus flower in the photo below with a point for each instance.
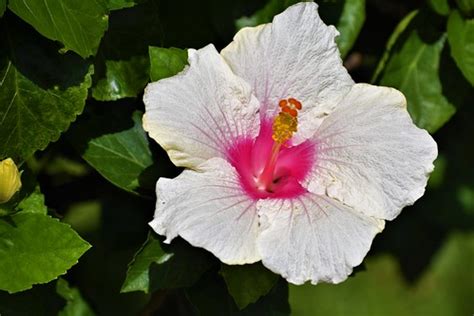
(288, 160)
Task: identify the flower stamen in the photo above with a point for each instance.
(286, 122)
(284, 126)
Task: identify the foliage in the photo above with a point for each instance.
(79, 25)
(31, 242)
(461, 39)
(414, 56)
(166, 62)
(247, 284)
(72, 76)
(122, 156)
(157, 266)
(41, 91)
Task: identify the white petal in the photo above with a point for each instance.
(209, 209)
(294, 56)
(370, 155)
(313, 238)
(195, 114)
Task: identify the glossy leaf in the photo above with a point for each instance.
(34, 116)
(35, 249)
(41, 92)
(166, 62)
(118, 150)
(157, 266)
(247, 283)
(414, 61)
(123, 78)
(444, 289)
(75, 304)
(33, 203)
(350, 23)
(79, 25)
(461, 41)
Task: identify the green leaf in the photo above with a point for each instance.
(118, 150)
(399, 30)
(41, 92)
(266, 14)
(210, 297)
(75, 304)
(122, 65)
(79, 25)
(466, 7)
(441, 7)
(444, 289)
(123, 79)
(138, 274)
(247, 283)
(32, 116)
(166, 62)
(413, 67)
(157, 266)
(350, 23)
(34, 203)
(3, 7)
(461, 40)
(34, 249)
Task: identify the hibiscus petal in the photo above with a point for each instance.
(209, 209)
(370, 155)
(313, 238)
(197, 113)
(294, 56)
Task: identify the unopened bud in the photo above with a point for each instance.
(10, 181)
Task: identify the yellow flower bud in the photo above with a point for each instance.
(10, 181)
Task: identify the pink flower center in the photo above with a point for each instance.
(269, 166)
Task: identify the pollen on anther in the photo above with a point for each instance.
(285, 123)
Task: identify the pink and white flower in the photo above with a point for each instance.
(303, 189)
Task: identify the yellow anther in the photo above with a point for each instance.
(284, 126)
(10, 181)
(286, 122)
